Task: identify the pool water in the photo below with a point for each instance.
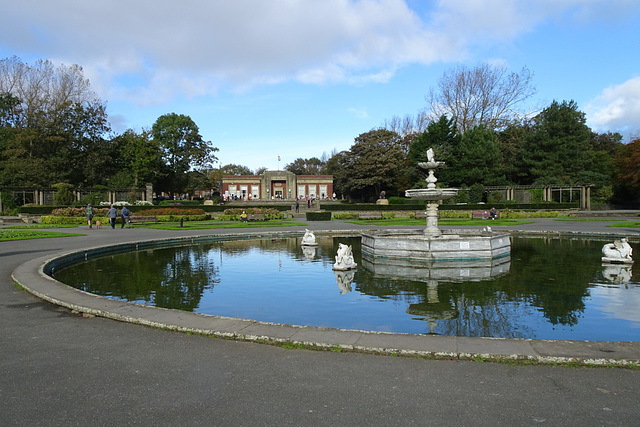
(550, 288)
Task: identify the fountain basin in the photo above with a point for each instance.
(451, 245)
(431, 193)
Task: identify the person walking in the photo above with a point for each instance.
(112, 214)
(124, 213)
(89, 214)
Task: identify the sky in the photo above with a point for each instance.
(264, 79)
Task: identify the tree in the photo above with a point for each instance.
(52, 122)
(442, 136)
(139, 156)
(182, 148)
(312, 166)
(558, 148)
(375, 162)
(44, 89)
(485, 95)
(476, 159)
(628, 176)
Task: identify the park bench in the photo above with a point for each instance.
(256, 217)
(483, 214)
(141, 219)
(370, 215)
(420, 214)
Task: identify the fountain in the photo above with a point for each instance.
(432, 244)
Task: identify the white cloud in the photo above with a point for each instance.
(617, 108)
(149, 51)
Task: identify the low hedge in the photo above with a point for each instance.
(60, 220)
(417, 206)
(318, 216)
(345, 215)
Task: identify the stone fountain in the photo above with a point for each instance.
(409, 248)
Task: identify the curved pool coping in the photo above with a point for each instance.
(32, 276)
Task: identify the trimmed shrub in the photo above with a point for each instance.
(60, 220)
(318, 216)
(388, 215)
(345, 215)
(63, 194)
(476, 193)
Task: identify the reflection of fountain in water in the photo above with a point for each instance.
(433, 309)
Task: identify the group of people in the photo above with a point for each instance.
(112, 214)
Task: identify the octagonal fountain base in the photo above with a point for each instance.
(451, 245)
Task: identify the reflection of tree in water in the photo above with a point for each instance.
(169, 277)
(551, 276)
(187, 274)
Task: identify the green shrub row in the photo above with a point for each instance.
(318, 216)
(345, 215)
(470, 206)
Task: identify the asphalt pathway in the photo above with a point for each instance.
(58, 367)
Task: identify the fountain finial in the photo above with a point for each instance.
(431, 162)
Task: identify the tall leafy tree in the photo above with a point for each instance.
(311, 166)
(558, 147)
(377, 160)
(628, 173)
(182, 148)
(139, 156)
(476, 159)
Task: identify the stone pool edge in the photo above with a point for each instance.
(31, 276)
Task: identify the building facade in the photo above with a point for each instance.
(277, 185)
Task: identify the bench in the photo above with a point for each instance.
(420, 214)
(256, 217)
(483, 214)
(142, 219)
(370, 215)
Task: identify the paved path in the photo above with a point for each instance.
(61, 368)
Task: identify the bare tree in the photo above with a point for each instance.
(485, 95)
(43, 87)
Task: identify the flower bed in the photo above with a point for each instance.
(234, 214)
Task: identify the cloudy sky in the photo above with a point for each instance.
(296, 78)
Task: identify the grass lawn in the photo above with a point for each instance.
(37, 226)
(566, 218)
(197, 225)
(626, 224)
(453, 221)
(8, 235)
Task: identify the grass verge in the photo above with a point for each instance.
(220, 224)
(566, 218)
(9, 235)
(626, 224)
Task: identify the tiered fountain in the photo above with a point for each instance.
(432, 244)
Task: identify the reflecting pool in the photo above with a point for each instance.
(550, 288)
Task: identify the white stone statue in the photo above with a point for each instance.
(430, 155)
(344, 259)
(618, 251)
(309, 239)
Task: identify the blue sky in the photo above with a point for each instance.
(299, 78)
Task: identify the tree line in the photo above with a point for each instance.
(54, 129)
